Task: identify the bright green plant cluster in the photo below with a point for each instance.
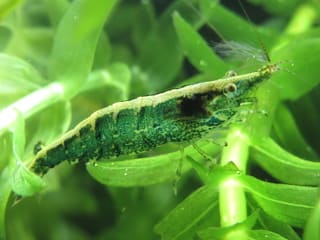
(60, 59)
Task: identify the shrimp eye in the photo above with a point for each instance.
(231, 73)
(230, 88)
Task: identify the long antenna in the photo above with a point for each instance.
(197, 11)
(256, 32)
(227, 48)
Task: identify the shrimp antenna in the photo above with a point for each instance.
(227, 48)
(191, 6)
(256, 32)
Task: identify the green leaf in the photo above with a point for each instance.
(13, 141)
(103, 52)
(56, 9)
(17, 78)
(312, 229)
(197, 50)
(283, 8)
(287, 203)
(264, 235)
(241, 235)
(158, 66)
(182, 220)
(57, 116)
(6, 6)
(236, 231)
(136, 172)
(5, 190)
(117, 75)
(284, 165)
(5, 35)
(121, 77)
(271, 224)
(82, 23)
(231, 26)
(297, 80)
(25, 183)
(289, 135)
(144, 171)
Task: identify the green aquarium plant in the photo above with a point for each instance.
(256, 176)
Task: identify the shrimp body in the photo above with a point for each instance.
(140, 125)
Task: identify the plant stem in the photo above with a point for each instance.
(71, 59)
(31, 104)
(302, 20)
(232, 196)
